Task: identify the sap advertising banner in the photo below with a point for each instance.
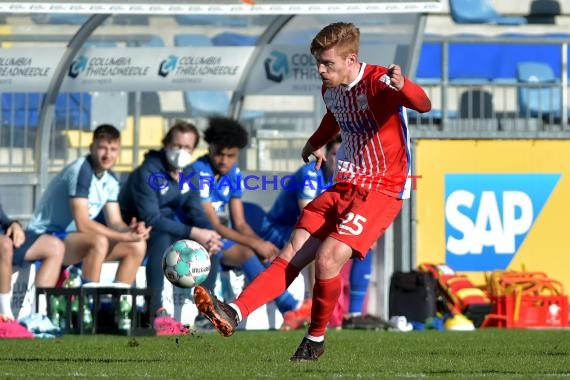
(126, 69)
(488, 216)
(292, 70)
(494, 205)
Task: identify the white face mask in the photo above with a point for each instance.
(178, 158)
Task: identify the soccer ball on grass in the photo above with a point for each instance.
(186, 263)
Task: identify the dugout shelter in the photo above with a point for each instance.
(68, 66)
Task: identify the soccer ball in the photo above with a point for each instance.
(186, 263)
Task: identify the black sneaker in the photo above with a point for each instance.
(223, 316)
(308, 351)
(364, 322)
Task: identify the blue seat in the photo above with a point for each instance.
(473, 63)
(538, 101)
(20, 117)
(192, 39)
(513, 54)
(73, 110)
(429, 63)
(21, 110)
(469, 63)
(481, 62)
(234, 39)
(428, 74)
(254, 215)
(480, 12)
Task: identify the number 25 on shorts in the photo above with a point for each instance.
(352, 224)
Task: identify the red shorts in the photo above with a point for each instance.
(350, 214)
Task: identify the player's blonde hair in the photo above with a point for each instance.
(343, 36)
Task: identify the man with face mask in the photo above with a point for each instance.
(163, 193)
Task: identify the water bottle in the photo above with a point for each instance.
(87, 318)
(125, 307)
(54, 310)
(62, 312)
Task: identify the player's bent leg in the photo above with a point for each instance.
(49, 249)
(253, 267)
(6, 256)
(131, 256)
(88, 249)
(331, 257)
(274, 280)
(236, 255)
(223, 316)
(156, 245)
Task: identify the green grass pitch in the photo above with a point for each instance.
(485, 353)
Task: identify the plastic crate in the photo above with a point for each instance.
(528, 311)
(103, 304)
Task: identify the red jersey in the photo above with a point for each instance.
(370, 114)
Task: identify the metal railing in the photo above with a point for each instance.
(493, 107)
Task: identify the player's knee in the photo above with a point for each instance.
(51, 247)
(327, 265)
(98, 245)
(239, 253)
(323, 264)
(139, 249)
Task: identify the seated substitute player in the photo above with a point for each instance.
(17, 246)
(221, 192)
(365, 103)
(304, 185)
(76, 196)
(152, 194)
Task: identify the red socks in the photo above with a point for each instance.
(270, 284)
(273, 281)
(325, 297)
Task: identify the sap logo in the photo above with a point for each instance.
(491, 227)
(488, 216)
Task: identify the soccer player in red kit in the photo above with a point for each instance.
(366, 104)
